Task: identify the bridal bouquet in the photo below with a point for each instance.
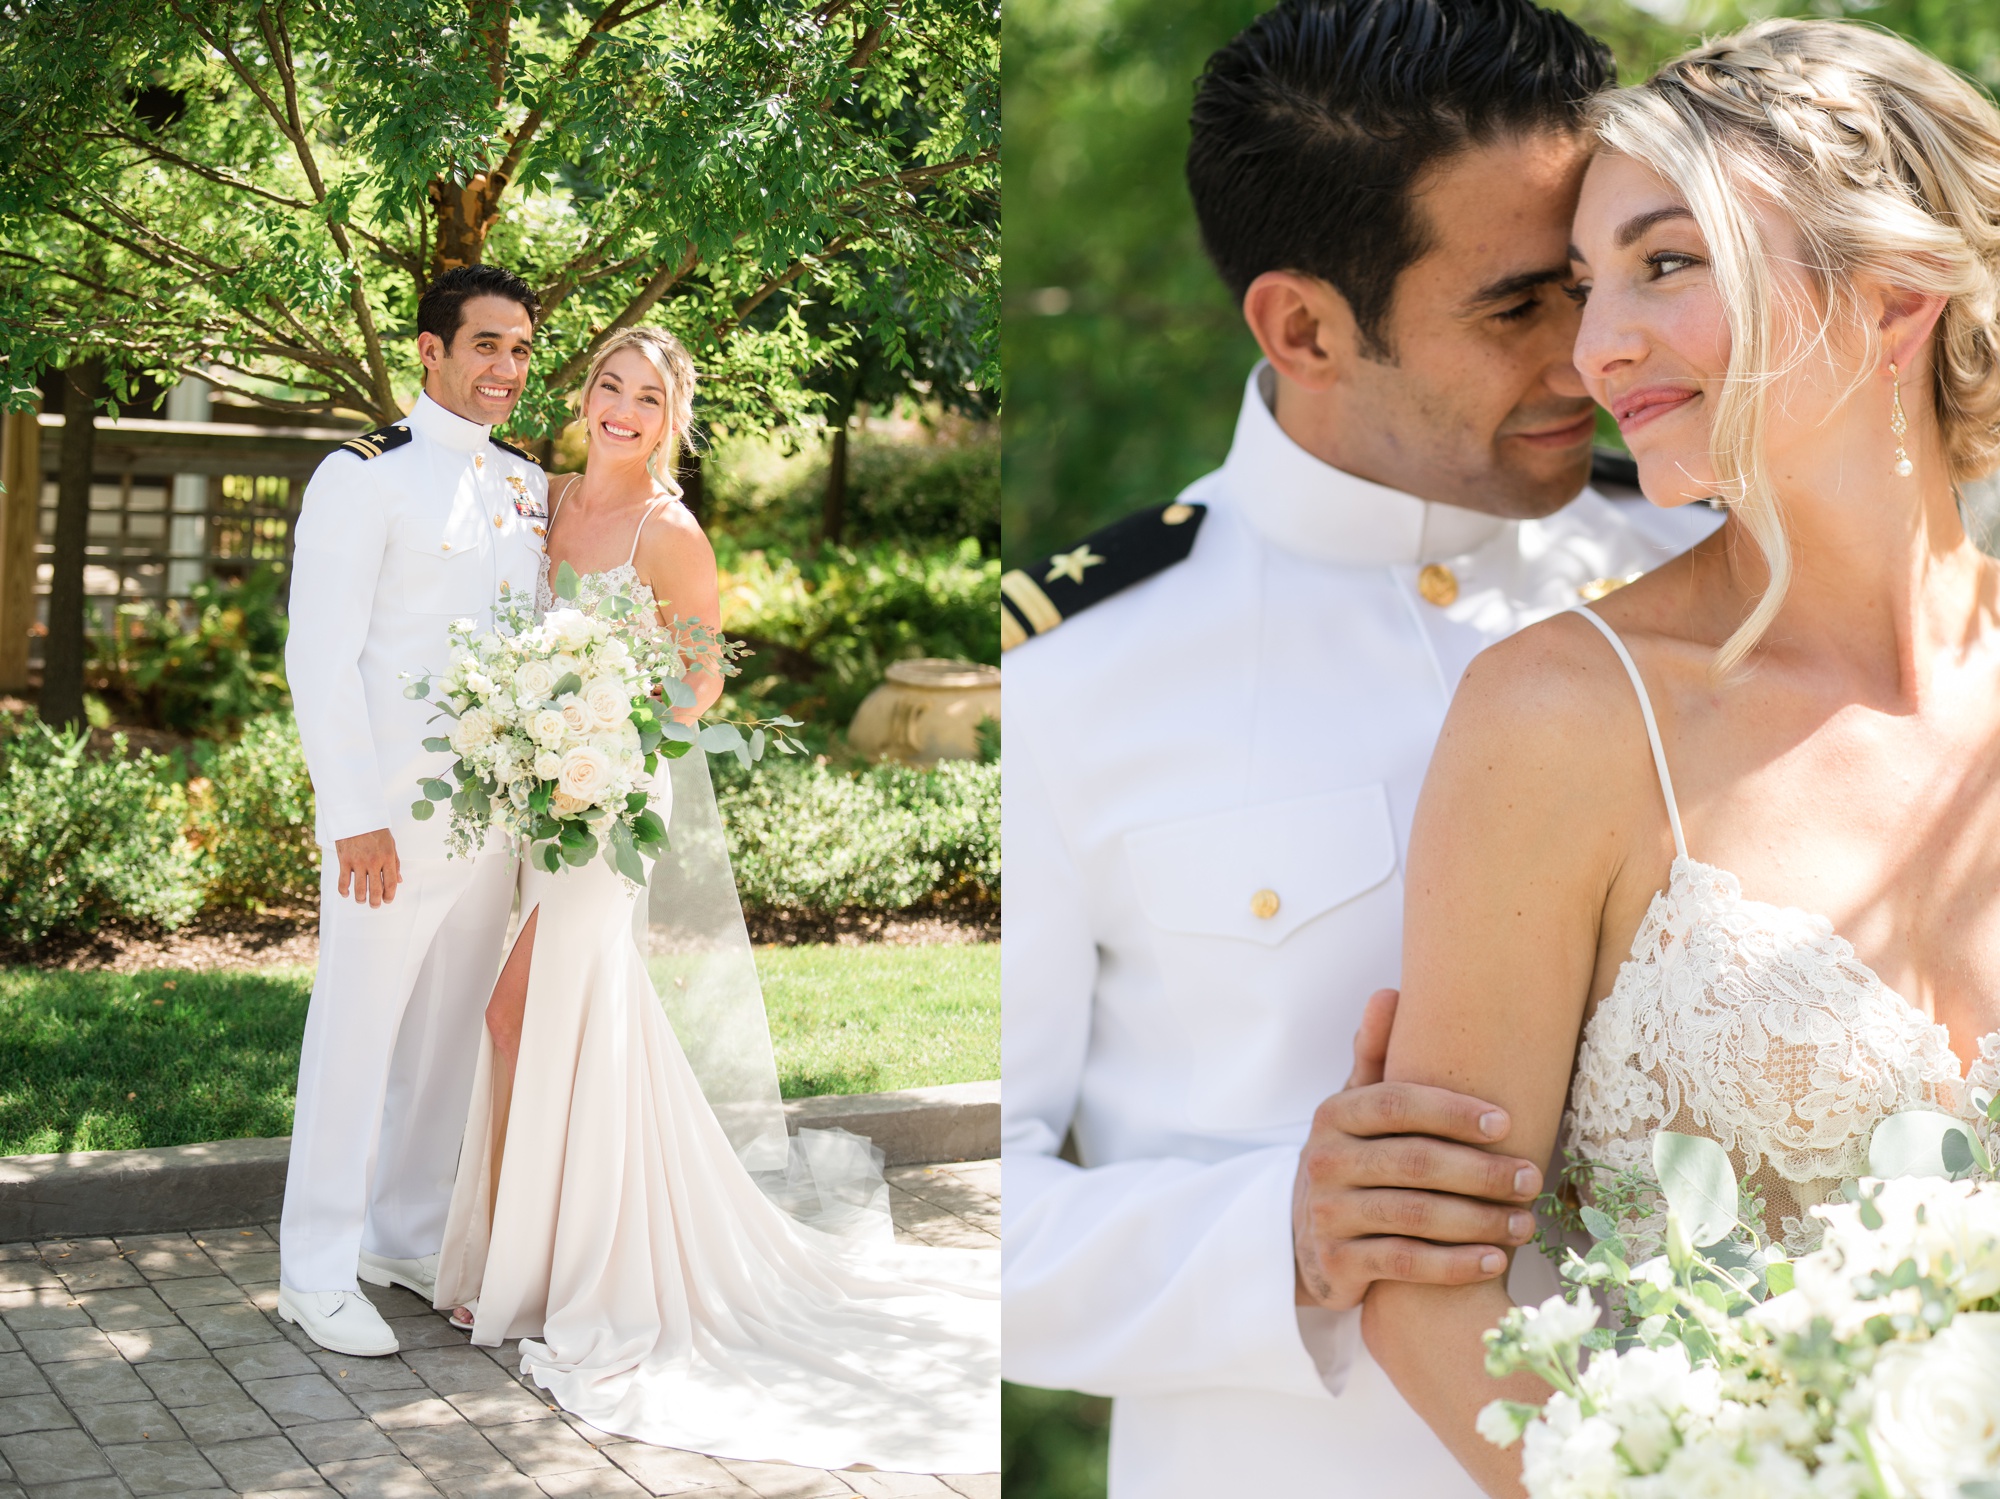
(1868, 1369)
(556, 724)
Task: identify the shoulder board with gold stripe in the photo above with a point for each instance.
(1036, 598)
(508, 447)
(375, 444)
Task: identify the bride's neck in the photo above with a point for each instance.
(611, 484)
(1884, 580)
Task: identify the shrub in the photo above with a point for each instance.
(200, 668)
(253, 818)
(921, 494)
(831, 625)
(809, 836)
(85, 837)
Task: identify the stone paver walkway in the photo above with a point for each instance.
(157, 1365)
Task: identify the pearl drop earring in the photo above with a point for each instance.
(1898, 424)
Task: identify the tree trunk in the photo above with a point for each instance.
(62, 660)
(689, 473)
(833, 508)
(464, 212)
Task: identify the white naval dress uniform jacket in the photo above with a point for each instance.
(1255, 719)
(390, 550)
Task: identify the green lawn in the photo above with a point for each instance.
(100, 1061)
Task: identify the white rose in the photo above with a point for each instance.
(565, 805)
(576, 716)
(570, 628)
(609, 701)
(473, 731)
(1936, 1421)
(534, 680)
(548, 765)
(546, 727)
(479, 682)
(585, 774)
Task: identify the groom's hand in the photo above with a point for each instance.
(1384, 1193)
(368, 862)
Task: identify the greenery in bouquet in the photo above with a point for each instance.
(1868, 1368)
(557, 725)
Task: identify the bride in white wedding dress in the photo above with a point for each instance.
(1723, 854)
(601, 1211)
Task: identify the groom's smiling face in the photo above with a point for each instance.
(1474, 400)
(480, 374)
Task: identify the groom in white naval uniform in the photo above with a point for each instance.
(1219, 715)
(402, 531)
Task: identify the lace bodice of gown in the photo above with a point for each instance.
(1756, 1026)
(593, 589)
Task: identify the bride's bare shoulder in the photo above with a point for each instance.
(1547, 722)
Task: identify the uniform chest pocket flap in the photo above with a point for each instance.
(1260, 873)
(445, 565)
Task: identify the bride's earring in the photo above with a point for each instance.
(1898, 424)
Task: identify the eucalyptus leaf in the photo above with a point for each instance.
(1699, 1185)
(756, 744)
(1599, 1224)
(566, 583)
(677, 692)
(721, 738)
(674, 731)
(568, 682)
(438, 744)
(623, 856)
(576, 855)
(416, 690)
(1780, 1277)
(421, 811)
(437, 790)
(1912, 1143)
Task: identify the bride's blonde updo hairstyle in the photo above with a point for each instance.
(677, 377)
(1887, 165)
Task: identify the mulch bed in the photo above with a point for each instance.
(249, 939)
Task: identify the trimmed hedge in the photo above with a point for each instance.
(253, 819)
(85, 838)
(804, 835)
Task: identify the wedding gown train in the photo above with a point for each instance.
(659, 1292)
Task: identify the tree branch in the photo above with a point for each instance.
(616, 14)
(785, 278)
(917, 176)
(649, 296)
(224, 179)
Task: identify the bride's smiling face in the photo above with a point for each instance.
(1654, 343)
(625, 409)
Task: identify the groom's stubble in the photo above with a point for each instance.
(1475, 401)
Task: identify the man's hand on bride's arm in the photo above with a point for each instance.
(1394, 1183)
(369, 864)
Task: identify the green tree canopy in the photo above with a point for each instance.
(256, 193)
(1124, 355)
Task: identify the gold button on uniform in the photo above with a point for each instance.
(479, 460)
(1175, 515)
(1264, 904)
(447, 546)
(497, 523)
(1438, 584)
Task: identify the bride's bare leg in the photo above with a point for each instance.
(503, 1023)
(504, 1012)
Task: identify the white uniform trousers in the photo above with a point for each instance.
(385, 1074)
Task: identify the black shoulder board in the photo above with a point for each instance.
(1036, 598)
(1609, 466)
(375, 444)
(508, 447)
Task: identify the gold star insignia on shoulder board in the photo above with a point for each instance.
(1036, 598)
(1071, 565)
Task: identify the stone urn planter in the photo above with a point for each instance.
(928, 710)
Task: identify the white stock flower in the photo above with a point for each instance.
(534, 680)
(1555, 1325)
(548, 765)
(1501, 1422)
(1936, 1420)
(1567, 1455)
(546, 727)
(479, 682)
(575, 713)
(585, 774)
(609, 701)
(1646, 1393)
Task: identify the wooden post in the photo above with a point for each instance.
(68, 637)
(20, 514)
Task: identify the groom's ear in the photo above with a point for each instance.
(1304, 327)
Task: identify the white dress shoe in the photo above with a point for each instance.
(339, 1321)
(419, 1276)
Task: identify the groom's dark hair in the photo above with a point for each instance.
(441, 309)
(1313, 125)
